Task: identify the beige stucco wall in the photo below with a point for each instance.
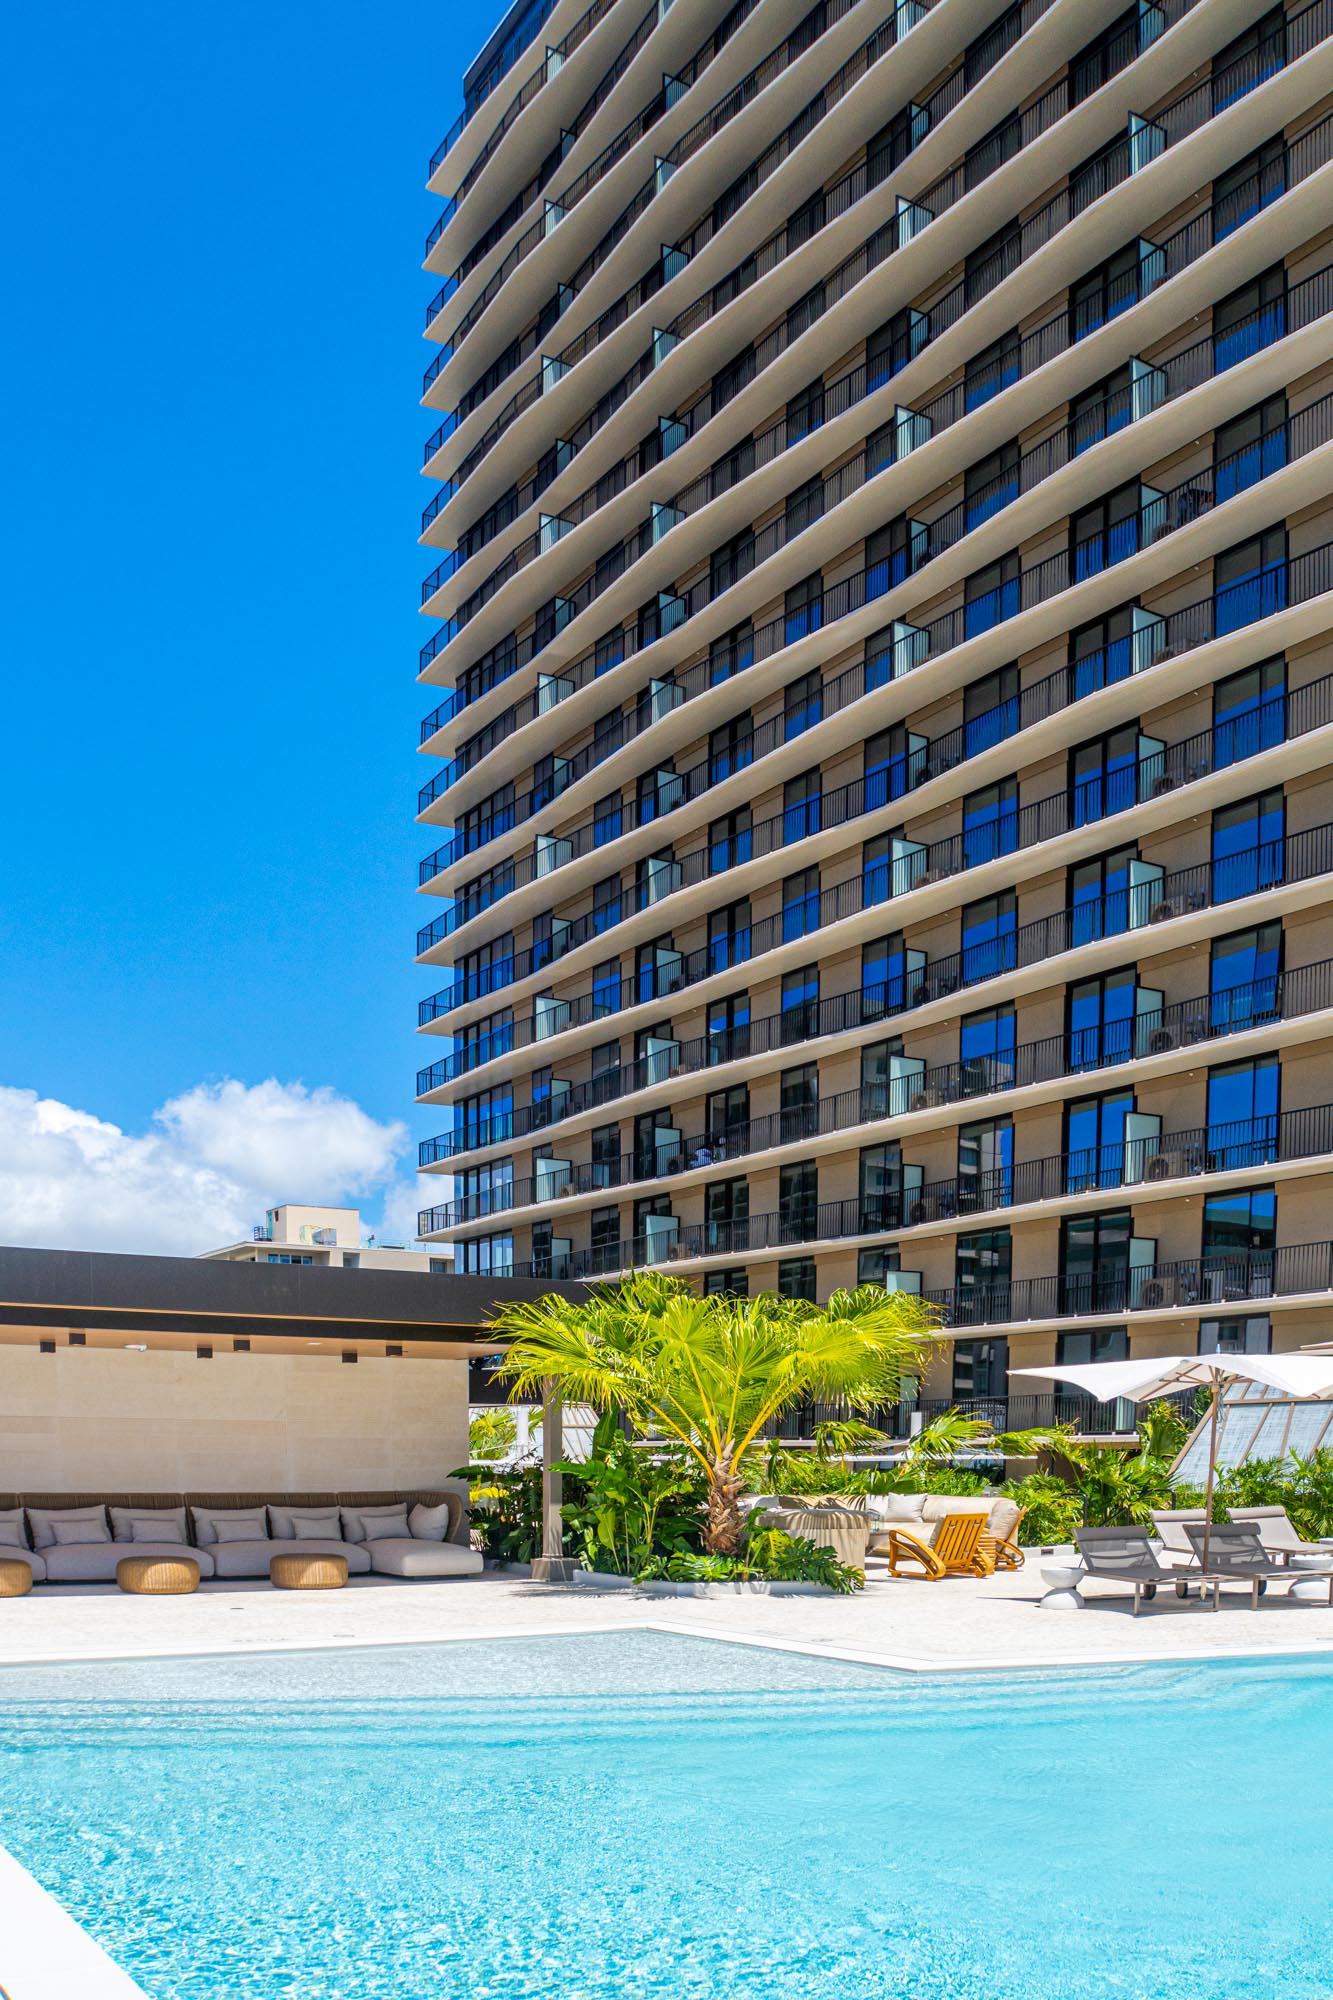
(84, 1418)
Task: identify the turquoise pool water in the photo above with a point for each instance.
(634, 1816)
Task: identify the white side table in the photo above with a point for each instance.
(1062, 1581)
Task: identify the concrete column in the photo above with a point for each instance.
(552, 1565)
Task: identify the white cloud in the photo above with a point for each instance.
(212, 1160)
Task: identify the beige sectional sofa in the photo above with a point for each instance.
(919, 1513)
(74, 1539)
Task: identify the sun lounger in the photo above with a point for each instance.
(1279, 1534)
(1236, 1555)
(1170, 1524)
(954, 1548)
(1126, 1555)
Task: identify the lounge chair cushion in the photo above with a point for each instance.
(435, 1524)
(1004, 1514)
(95, 1562)
(254, 1520)
(247, 1559)
(170, 1523)
(410, 1556)
(42, 1522)
(13, 1530)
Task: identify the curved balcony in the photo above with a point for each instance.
(1147, 1164)
(964, 1089)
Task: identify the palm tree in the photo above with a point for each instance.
(712, 1373)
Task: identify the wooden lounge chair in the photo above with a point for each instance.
(1126, 1555)
(954, 1549)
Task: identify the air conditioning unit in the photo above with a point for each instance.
(1166, 783)
(1162, 1039)
(1154, 1295)
(1161, 913)
(676, 1251)
(1168, 1167)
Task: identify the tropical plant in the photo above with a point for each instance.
(492, 1434)
(769, 1555)
(711, 1374)
(627, 1503)
(1053, 1508)
(506, 1510)
(1162, 1431)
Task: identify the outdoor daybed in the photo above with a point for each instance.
(234, 1536)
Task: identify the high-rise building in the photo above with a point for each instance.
(883, 657)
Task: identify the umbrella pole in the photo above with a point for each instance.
(1212, 1472)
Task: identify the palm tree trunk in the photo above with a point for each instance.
(724, 1529)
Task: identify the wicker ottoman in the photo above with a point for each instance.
(158, 1576)
(15, 1578)
(298, 1572)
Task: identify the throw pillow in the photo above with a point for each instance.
(42, 1522)
(384, 1527)
(236, 1531)
(354, 1516)
(124, 1518)
(152, 1528)
(88, 1530)
(432, 1524)
(316, 1527)
(13, 1534)
(250, 1524)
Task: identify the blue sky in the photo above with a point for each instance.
(210, 501)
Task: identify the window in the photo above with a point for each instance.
(796, 1278)
(607, 820)
(891, 346)
(980, 1370)
(1251, 1335)
(1104, 56)
(604, 1238)
(606, 1156)
(1250, 447)
(991, 262)
(1245, 978)
(986, 1045)
(879, 1098)
(486, 1256)
(1248, 187)
(802, 805)
(985, 1164)
(877, 870)
(875, 1265)
(895, 552)
(727, 1215)
(990, 936)
(729, 563)
(1250, 319)
(881, 1186)
(730, 654)
(1095, 1261)
(729, 935)
(656, 792)
(726, 1119)
(730, 748)
(800, 904)
(990, 710)
(990, 484)
(1095, 1154)
(1105, 533)
(1103, 775)
(1248, 847)
(606, 988)
(798, 1098)
(991, 595)
(1249, 711)
(730, 841)
(287, 1257)
(883, 966)
(982, 1261)
(1105, 293)
(729, 1028)
(1000, 145)
(890, 146)
(1101, 411)
(1240, 1225)
(1250, 581)
(1101, 902)
(992, 370)
(1101, 653)
(1094, 1343)
(990, 822)
(804, 608)
(1102, 1018)
(486, 1116)
(605, 904)
(1254, 55)
(892, 762)
(800, 1003)
(1243, 1113)
(802, 706)
(804, 506)
(726, 1284)
(805, 412)
(485, 1190)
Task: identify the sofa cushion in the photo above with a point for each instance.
(436, 1524)
(95, 1562)
(353, 1517)
(325, 1527)
(40, 1520)
(939, 1505)
(920, 1531)
(13, 1530)
(1004, 1515)
(243, 1559)
(71, 1533)
(399, 1556)
(169, 1521)
(36, 1563)
(905, 1507)
(206, 1519)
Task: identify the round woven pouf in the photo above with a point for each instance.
(158, 1576)
(297, 1572)
(15, 1578)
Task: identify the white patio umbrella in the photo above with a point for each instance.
(1301, 1376)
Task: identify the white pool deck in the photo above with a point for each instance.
(959, 1624)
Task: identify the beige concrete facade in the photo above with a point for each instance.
(886, 681)
(162, 1421)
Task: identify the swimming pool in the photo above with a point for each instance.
(635, 1815)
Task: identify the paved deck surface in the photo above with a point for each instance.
(953, 1624)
